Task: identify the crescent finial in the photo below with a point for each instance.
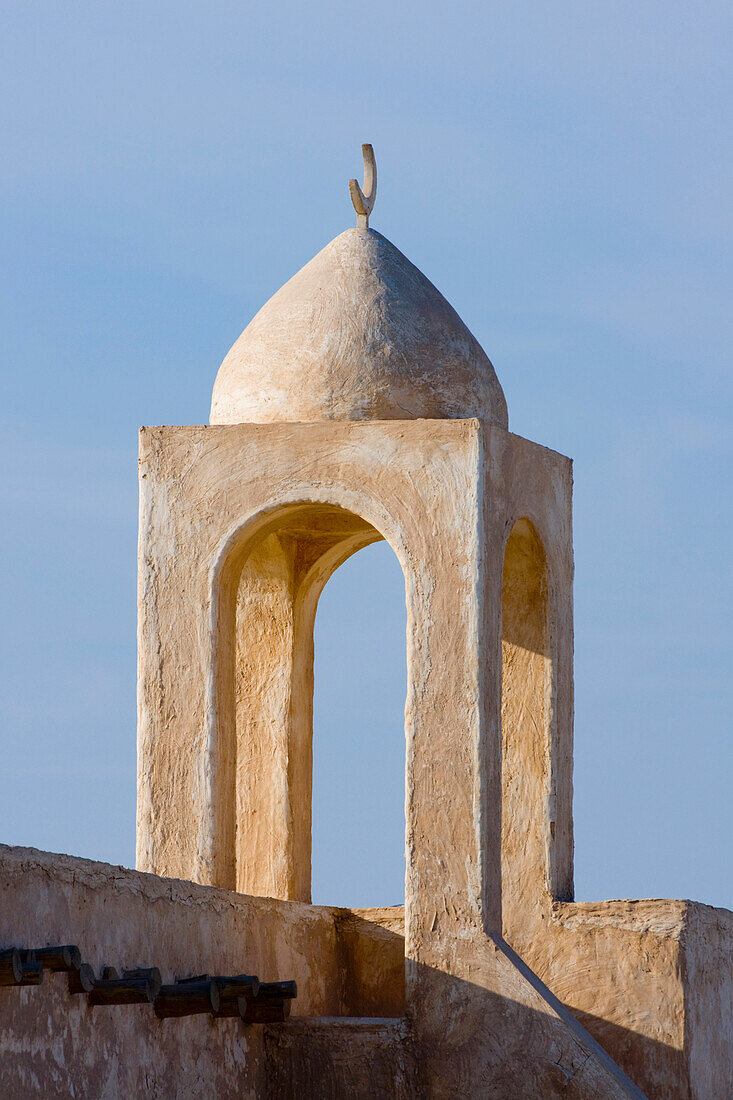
(364, 203)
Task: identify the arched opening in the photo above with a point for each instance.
(358, 738)
(527, 827)
(260, 751)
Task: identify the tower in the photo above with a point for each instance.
(357, 406)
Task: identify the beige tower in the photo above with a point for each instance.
(355, 407)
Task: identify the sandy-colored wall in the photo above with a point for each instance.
(445, 494)
(528, 688)
(618, 966)
(56, 1045)
(526, 662)
(478, 1018)
(341, 1059)
(651, 981)
(207, 495)
(708, 940)
(53, 1044)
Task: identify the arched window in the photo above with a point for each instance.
(268, 594)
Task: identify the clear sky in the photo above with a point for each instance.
(562, 172)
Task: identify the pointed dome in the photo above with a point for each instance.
(358, 334)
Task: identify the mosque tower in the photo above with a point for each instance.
(356, 406)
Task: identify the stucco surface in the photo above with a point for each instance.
(339, 1058)
(651, 980)
(356, 406)
(209, 499)
(708, 941)
(239, 518)
(53, 1044)
(640, 976)
(359, 333)
(241, 526)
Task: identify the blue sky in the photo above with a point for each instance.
(563, 173)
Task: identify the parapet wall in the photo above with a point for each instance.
(54, 1044)
(652, 981)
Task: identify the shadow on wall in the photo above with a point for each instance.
(371, 959)
(657, 1067)
(496, 1047)
(491, 1046)
(370, 949)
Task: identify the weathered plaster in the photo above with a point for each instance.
(358, 334)
(56, 1045)
(53, 1044)
(260, 518)
(708, 1036)
(645, 978)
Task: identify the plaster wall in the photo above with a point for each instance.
(53, 1044)
(619, 966)
(445, 494)
(527, 828)
(232, 524)
(649, 980)
(209, 497)
(708, 941)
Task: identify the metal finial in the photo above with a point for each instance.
(364, 204)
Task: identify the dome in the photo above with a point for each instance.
(358, 334)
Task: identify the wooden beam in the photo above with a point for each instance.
(81, 980)
(67, 957)
(122, 991)
(11, 967)
(32, 973)
(269, 1011)
(151, 973)
(187, 999)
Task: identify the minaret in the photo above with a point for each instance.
(357, 406)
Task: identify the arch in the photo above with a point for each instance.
(359, 750)
(527, 715)
(256, 765)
